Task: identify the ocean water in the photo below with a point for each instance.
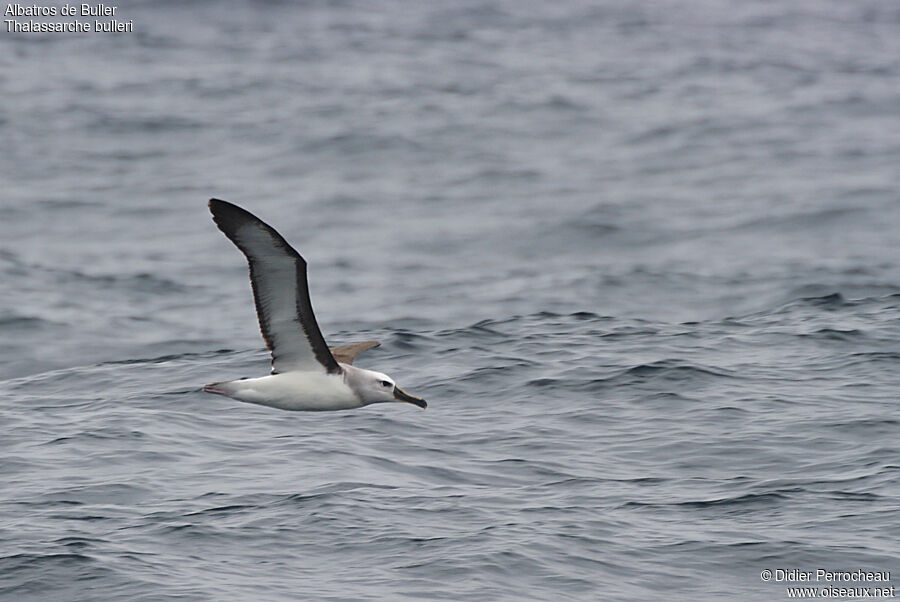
(640, 258)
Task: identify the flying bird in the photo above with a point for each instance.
(306, 373)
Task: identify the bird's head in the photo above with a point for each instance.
(375, 387)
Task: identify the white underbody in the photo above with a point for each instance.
(309, 391)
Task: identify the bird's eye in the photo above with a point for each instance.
(385, 383)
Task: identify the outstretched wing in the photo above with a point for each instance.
(347, 353)
(280, 291)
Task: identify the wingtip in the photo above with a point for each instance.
(228, 216)
(218, 205)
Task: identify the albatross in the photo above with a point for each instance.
(306, 373)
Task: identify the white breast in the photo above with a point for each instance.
(309, 391)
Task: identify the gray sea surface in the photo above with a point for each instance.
(641, 258)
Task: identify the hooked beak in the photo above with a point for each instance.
(401, 395)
